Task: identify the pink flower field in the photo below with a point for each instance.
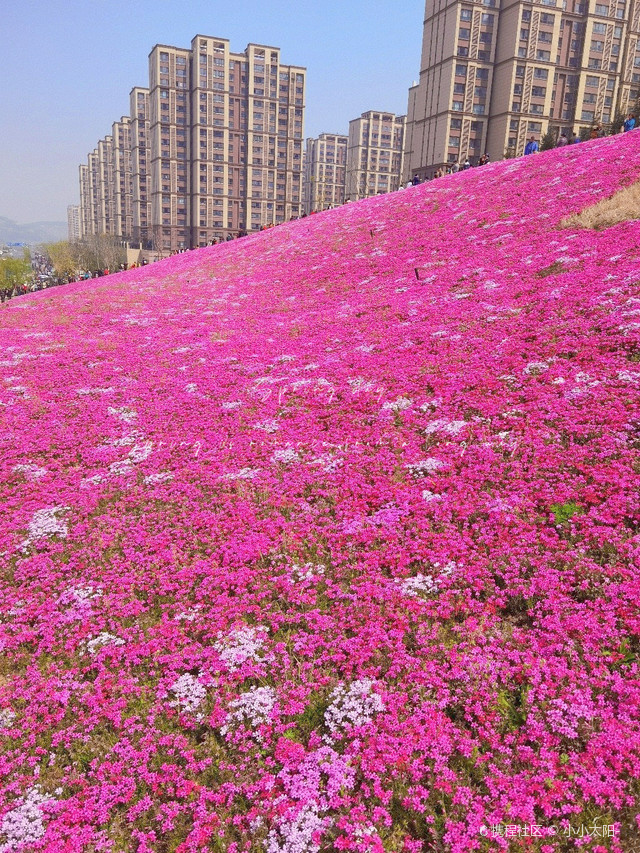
(328, 538)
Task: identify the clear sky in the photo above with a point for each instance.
(68, 67)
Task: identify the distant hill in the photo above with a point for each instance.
(31, 232)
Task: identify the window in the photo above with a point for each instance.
(544, 37)
(587, 115)
(546, 18)
(543, 55)
(461, 70)
(515, 106)
(534, 127)
(601, 9)
(457, 106)
(517, 89)
(478, 109)
(519, 70)
(592, 81)
(590, 98)
(538, 109)
(526, 15)
(482, 73)
(454, 141)
(597, 46)
(524, 34)
(456, 123)
(599, 28)
(465, 14)
(513, 124)
(487, 19)
(463, 51)
(485, 38)
(458, 88)
(463, 33)
(541, 73)
(538, 91)
(596, 64)
(522, 52)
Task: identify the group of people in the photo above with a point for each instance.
(596, 132)
(447, 170)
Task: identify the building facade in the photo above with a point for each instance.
(496, 72)
(375, 154)
(140, 167)
(213, 147)
(73, 222)
(324, 172)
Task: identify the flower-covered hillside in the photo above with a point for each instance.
(327, 539)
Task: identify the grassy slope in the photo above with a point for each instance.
(327, 538)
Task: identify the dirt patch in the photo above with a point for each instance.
(620, 207)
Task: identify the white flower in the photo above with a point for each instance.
(285, 456)
(443, 425)
(308, 571)
(426, 466)
(160, 477)
(123, 413)
(241, 645)
(7, 716)
(125, 466)
(45, 522)
(269, 425)
(140, 452)
(399, 404)
(103, 639)
(30, 471)
(252, 708)
(190, 692)
(295, 834)
(242, 474)
(24, 825)
(535, 367)
(629, 376)
(353, 705)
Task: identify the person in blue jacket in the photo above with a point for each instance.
(630, 123)
(531, 147)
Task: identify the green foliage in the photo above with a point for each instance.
(616, 124)
(97, 252)
(563, 513)
(548, 141)
(13, 273)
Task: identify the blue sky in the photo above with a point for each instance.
(68, 67)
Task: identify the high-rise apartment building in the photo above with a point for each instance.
(73, 222)
(140, 166)
(374, 154)
(214, 148)
(496, 72)
(324, 173)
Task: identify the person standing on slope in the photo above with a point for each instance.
(531, 147)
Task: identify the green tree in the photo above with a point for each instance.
(548, 141)
(62, 256)
(13, 273)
